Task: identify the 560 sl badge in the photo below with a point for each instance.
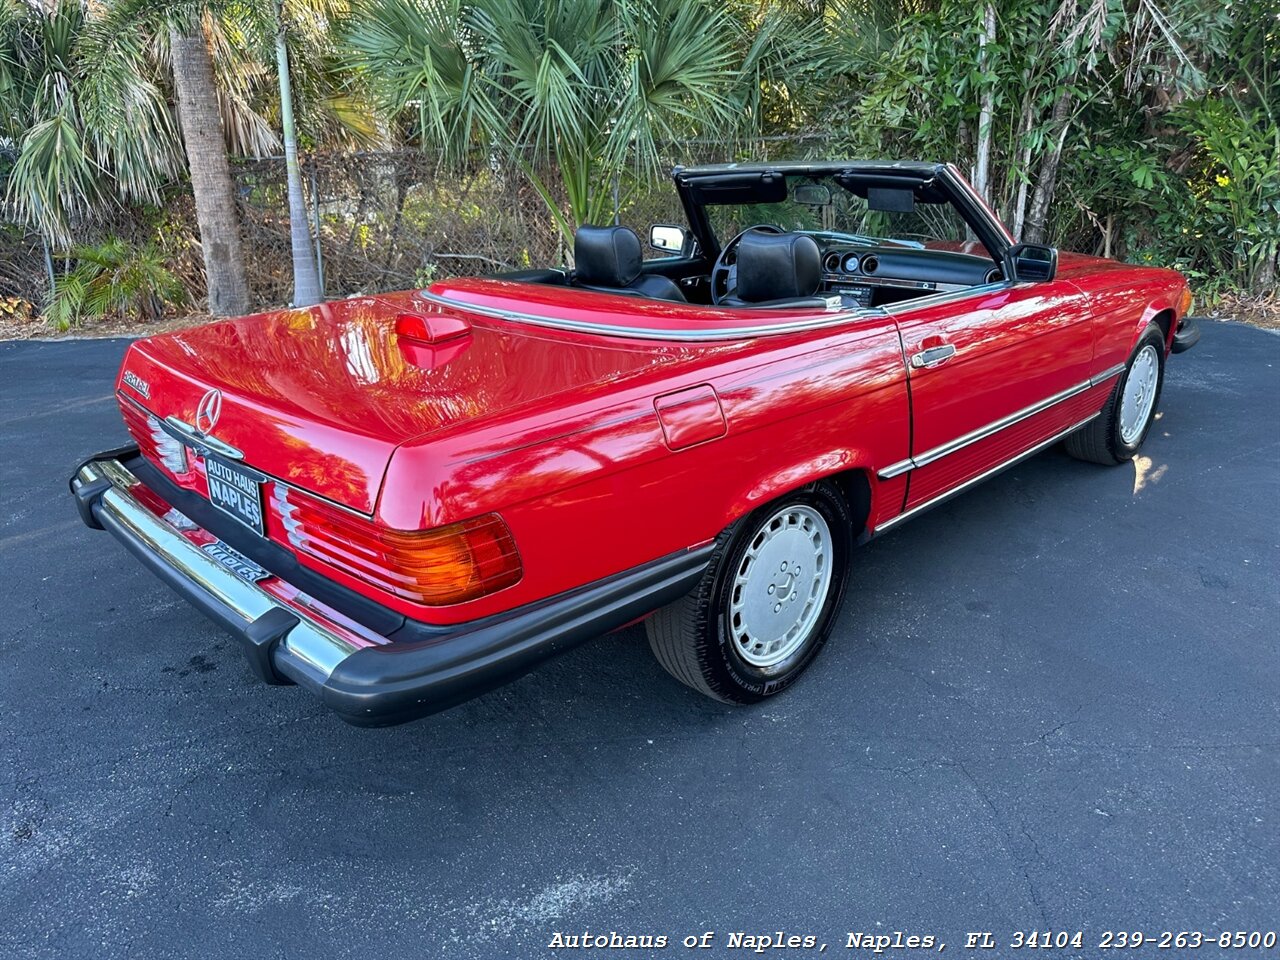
(138, 384)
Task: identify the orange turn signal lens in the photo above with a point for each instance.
(456, 563)
(1186, 302)
(446, 565)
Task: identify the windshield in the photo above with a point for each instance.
(822, 207)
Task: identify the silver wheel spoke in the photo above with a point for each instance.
(780, 586)
(1138, 396)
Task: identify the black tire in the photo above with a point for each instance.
(1100, 441)
(691, 638)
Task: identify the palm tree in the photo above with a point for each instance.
(74, 134)
(576, 94)
(219, 54)
(211, 182)
(246, 33)
(306, 275)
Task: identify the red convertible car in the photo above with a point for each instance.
(402, 501)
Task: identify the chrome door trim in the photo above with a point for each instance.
(905, 306)
(796, 325)
(959, 443)
(1004, 465)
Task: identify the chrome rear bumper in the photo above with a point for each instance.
(365, 682)
(283, 643)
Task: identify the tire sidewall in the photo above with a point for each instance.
(725, 663)
(1127, 451)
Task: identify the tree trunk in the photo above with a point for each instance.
(306, 278)
(986, 107)
(1023, 171)
(1046, 179)
(211, 182)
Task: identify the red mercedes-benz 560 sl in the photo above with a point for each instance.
(402, 501)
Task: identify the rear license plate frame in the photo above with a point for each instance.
(236, 490)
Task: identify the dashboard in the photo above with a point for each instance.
(871, 276)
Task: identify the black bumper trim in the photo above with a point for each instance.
(406, 680)
(1187, 335)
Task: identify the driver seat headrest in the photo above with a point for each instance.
(606, 256)
(781, 266)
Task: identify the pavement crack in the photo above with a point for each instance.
(1001, 823)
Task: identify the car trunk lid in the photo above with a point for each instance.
(321, 397)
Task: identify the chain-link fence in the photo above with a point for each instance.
(397, 219)
(384, 220)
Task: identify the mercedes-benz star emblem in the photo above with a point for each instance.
(209, 410)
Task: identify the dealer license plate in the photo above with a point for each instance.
(237, 563)
(235, 491)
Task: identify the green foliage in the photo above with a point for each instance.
(330, 104)
(1147, 127)
(1235, 184)
(114, 279)
(75, 132)
(579, 95)
(1168, 137)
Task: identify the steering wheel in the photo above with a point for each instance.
(724, 274)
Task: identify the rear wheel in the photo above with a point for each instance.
(1117, 434)
(767, 602)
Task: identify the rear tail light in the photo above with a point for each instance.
(437, 567)
(153, 442)
(170, 451)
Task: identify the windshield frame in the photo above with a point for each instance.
(941, 181)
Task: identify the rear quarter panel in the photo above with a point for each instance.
(591, 490)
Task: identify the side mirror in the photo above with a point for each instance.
(1031, 263)
(668, 238)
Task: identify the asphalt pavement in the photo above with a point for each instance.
(1052, 703)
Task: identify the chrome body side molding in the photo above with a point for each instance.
(896, 469)
(1107, 374)
(948, 494)
(959, 443)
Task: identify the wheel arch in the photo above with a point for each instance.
(1162, 315)
(855, 482)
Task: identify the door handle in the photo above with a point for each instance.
(933, 355)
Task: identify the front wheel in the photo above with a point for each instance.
(1116, 434)
(767, 602)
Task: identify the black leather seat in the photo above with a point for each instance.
(777, 270)
(608, 259)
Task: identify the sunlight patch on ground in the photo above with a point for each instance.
(1145, 471)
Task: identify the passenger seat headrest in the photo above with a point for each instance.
(777, 266)
(606, 256)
